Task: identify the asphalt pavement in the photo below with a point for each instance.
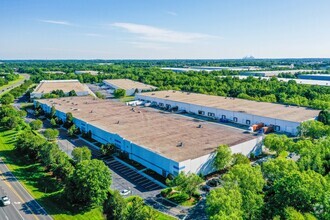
(23, 205)
(26, 77)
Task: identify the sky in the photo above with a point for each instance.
(164, 29)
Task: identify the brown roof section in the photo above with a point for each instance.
(158, 131)
(47, 86)
(129, 84)
(265, 109)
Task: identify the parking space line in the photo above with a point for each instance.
(140, 178)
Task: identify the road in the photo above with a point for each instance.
(26, 77)
(23, 205)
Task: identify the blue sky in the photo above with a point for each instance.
(163, 29)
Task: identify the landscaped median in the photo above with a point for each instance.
(183, 189)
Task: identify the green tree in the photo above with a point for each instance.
(313, 129)
(239, 158)
(72, 93)
(292, 214)
(53, 122)
(135, 209)
(114, 206)
(278, 143)
(300, 190)
(186, 183)
(62, 168)
(222, 157)
(29, 144)
(324, 117)
(224, 203)
(68, 120)
(89, 184)
(72, 130)
(107, 149)
(53, 112)
(316, 156)
(36, 124)
(99, 95)
(51, 134)
(250, 183)
(7, 99)
(81, 153)
(275, 169)
(119, 93)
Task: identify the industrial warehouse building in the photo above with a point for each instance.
(47, 86)
(325, 77)
(130, 86)
(164, 142)
(283, 118)
(270, 73)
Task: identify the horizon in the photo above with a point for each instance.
(167, 30)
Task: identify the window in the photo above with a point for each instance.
(248, 122)
(223, 117)
(201, 112)
(235, 119)
(161, 104)
(277, 128)
(210, 114)
(168, 106)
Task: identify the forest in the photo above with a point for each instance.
(211, 83)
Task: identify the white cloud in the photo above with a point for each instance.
(151, 33)
(148, 45)
(93, 35)
(57, 22)
(172, 13)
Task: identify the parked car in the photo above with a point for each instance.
(125, 192)
(5, 200)
(205, 188)
(213, 182)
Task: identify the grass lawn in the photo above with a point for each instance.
(163, 216)
(20, 78)
(127, 99)
(40, 184)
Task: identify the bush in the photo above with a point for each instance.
(179, 197)
(166, 191)
(36, 124)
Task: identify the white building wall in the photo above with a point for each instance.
(204, 164)
(242, 118)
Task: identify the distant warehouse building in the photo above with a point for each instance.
(130, 86)
(164, 142)
(325, 77)
(246, 112)
(47, 86)
(270, 73)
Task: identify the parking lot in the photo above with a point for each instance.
(125, 177)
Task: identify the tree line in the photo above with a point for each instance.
(280, 188)
(251, 88)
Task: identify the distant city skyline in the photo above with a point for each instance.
(148, 29)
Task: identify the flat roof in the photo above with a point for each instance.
(299, 81)
(158, 131)
(276, 72)
(47, 86)
(265, 109)
(129, 84)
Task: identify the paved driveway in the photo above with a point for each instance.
(126, 178)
